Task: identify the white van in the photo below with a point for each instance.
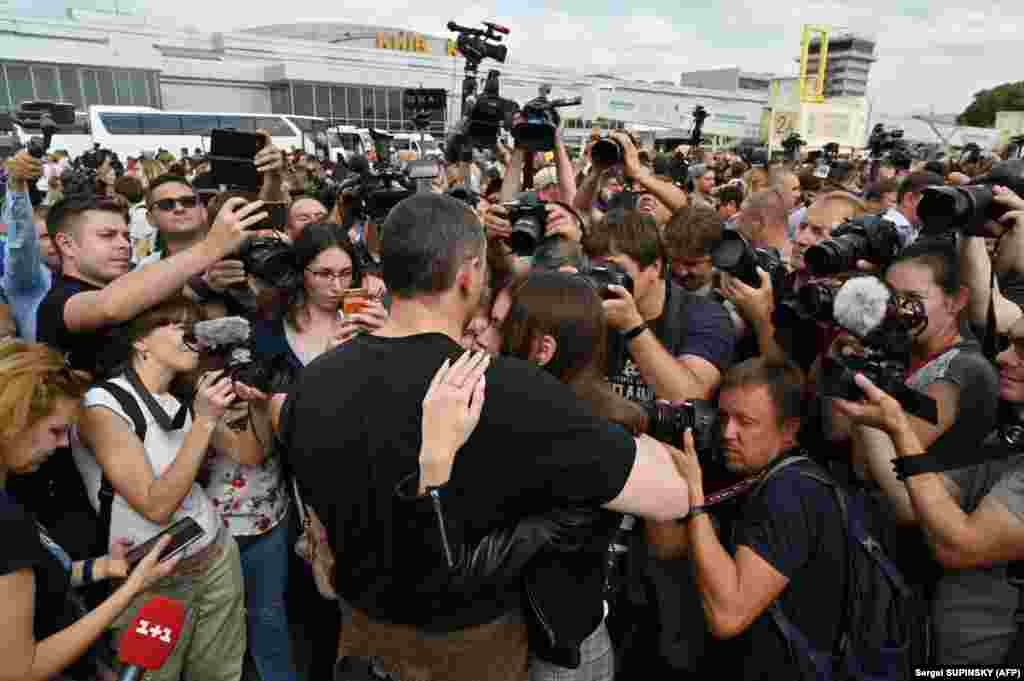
(423, 148)
(349, 141)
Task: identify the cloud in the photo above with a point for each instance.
(931, 53)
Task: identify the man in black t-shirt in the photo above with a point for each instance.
(94, 293)
(677, 343)
(788, 544)
(352, 429)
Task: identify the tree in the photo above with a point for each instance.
(982, 111)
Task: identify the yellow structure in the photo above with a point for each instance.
(815, 95)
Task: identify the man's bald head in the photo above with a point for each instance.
(304, 211)
(764, 219)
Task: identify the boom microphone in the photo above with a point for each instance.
(226, 331)
(151, 638)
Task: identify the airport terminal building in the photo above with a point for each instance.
(351, 74)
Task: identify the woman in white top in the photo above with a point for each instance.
(154, 480)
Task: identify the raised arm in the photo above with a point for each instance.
(23, 260)
(129, 295)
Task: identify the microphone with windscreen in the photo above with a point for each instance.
(151, 637)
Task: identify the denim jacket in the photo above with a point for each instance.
(26, 278)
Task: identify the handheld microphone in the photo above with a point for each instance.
(151, 638)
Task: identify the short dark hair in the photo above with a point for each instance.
(731, 193)
(130, 188)
(425, 239)
(915, 183)
(692, 231)
(64, 215)
(166, 179)
(629, 232)
(784, 381)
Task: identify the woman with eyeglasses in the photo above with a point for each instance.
(46, 632)
(252, 498)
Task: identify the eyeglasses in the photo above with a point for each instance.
(167, 205)
(327, 276)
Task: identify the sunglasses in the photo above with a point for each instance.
(169, 204)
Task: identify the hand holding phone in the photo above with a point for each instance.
(182, 534)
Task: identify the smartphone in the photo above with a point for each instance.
(354, 300)
(184, 533)
(277, 217)
(231, 159)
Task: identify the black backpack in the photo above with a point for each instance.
(885, 624)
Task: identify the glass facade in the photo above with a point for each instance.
(81, 86)
(357, 105)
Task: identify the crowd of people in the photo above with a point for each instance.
(431, 454)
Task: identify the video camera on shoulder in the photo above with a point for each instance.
(535, 125)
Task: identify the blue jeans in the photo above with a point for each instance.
(265, 569)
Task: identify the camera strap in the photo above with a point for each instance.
(163, 420)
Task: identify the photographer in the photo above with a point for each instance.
(154, 480)
(788, 544)
(565, 189)
(677, 342)
(47, 634)
(361, 400)
(690, 236)
(303, 211)
(30, 259)
(972, 517)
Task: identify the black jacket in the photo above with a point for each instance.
(556, 556)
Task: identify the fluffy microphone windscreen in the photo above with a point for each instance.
(860, 305)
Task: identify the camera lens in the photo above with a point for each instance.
(606, 151)
(817, 300)
(736, 257)
(527, 231)
(833, 256)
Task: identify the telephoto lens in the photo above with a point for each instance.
(607, 151)
(964, 209)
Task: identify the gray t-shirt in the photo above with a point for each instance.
(973, 608)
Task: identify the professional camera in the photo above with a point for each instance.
(884, 141)
(699, 114)
(871, 238)
(886, 324)
(667, 422)
(528, 216)
(272, 261)
(792, 145)
(231, 339)
(375, 191)
(483, 116)
(605, 274)
(735, 255)
(534, 126)
(966, 209)
(45, 117)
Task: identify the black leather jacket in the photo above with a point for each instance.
(560, 614)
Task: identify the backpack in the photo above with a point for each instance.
(885, 624)
(106, 492)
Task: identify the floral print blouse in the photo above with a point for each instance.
(251, 499)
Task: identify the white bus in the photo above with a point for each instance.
(130, 130)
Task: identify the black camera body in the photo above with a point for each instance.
(871, 238)
(607, 151)
(882, 142)
(667, 422)
(606, 274)
(534, 126)
(528, 216)
(230, 338)
(740, 259)
(965, 209)
(272, 261)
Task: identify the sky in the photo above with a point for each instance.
(933, 55)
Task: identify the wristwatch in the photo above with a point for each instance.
(634, 332)
(908, 466)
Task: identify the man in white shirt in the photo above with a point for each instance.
(904, 213)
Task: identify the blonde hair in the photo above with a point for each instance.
(33, 378)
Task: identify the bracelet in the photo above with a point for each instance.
(908, 466)
(634, 332)
(87, 576)
(694, 512)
